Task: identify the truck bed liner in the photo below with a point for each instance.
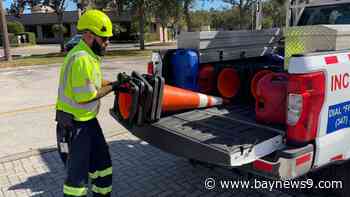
(226, 136)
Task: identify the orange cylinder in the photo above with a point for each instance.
(256, 79)
(228, 82)
(206, 78)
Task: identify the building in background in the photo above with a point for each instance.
(42, 18)
(40, 21)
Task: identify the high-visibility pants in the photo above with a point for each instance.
(88, 157)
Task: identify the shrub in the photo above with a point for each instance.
(56, 29)
(151, 37)
(30, 36)
(15, 27)
(14, 41)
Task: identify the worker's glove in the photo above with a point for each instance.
(120, 84)
(115, 85)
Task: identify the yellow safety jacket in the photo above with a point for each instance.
(80, 77)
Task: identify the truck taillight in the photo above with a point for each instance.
(305, 100)
(150, 68)
(295, 106)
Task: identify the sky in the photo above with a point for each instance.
(217, 4)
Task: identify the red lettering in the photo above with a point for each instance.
(346, 80)
(340, 81)
(337, 82)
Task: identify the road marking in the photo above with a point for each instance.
(29, 109)
(17, 111)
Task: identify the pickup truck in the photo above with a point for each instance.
(316, 135)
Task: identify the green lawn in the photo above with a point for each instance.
(58, 58)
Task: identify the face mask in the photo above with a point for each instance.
(98, 49)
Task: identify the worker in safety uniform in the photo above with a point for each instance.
(81, 143)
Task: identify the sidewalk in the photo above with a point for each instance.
(139, 170)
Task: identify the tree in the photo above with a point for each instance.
(142, 9)
(200, 18)
(187, 6)
(18, 6)
(243, 7)
(59, 29)
(166, 11)
(274, 13)
(5, 33)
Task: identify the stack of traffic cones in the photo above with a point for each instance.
(171, 99)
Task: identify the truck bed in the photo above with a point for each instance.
(227, 136)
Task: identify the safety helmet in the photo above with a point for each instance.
(97, 22)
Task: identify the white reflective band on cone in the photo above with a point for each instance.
(203, 100)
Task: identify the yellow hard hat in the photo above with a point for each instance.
(97, 22)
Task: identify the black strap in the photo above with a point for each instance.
(65, 119)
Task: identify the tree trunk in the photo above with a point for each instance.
(187, 15)
(240, 14)
(142, 24)
(163, 30)
(61, 33)
(6, 42)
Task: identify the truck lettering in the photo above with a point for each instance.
(340, 81)
(341, 121)
(338, 117)
(334, 112)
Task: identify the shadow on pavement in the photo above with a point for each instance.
(141, 170)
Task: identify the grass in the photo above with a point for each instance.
(55, 58)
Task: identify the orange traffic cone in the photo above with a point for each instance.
(176, 99)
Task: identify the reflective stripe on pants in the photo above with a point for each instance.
(88, 157)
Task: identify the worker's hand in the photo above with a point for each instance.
(105, 83)
(118, 86)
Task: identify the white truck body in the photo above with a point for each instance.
(333, 136)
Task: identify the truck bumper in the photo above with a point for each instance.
(285, 164)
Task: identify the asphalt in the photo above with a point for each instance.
(27, 104)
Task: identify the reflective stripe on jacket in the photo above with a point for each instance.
(80, 78)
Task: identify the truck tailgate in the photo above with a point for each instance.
(222, 136)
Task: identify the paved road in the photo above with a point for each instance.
(55, 48)
(27, 104)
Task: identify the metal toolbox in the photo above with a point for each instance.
(316, 38)
(218, 46)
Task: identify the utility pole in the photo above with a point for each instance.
(5, 37)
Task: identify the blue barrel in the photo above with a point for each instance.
(185, 63)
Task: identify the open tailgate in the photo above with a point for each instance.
(223, 136)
